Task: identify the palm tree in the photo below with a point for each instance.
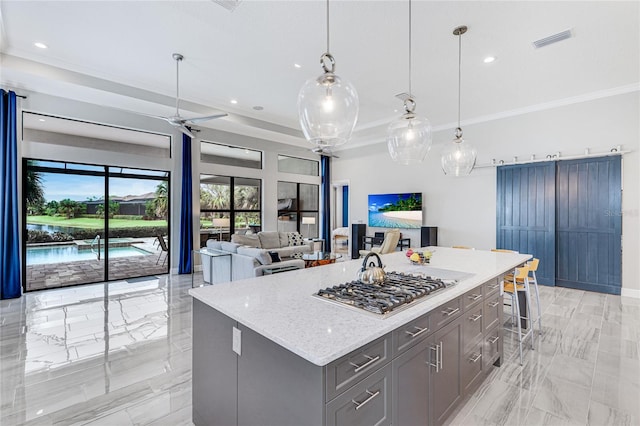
(34, 189)
(161, 202)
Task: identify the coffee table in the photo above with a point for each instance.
(319, 258)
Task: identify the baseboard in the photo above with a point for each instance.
(631, 292)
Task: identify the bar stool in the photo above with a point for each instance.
(512, 285)
(533, 267)
(504, 251)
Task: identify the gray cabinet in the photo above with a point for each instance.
(408, 335)
(415, 375)
(367, 403)
(471, 368)
(410, 388)
(445, 391)
(350, 369)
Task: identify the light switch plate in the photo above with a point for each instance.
(237, 341)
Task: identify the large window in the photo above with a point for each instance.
(215, 153)
(298, 208)
(229, 205)
(300, 166)
(86, 223)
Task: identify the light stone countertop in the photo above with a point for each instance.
(282, 308)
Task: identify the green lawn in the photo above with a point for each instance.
(91, 223)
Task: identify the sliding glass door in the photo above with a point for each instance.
(75, 235)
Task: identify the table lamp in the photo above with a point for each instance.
(221, 223)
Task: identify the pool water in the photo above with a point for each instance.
(70, 253)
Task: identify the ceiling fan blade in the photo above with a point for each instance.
(207, 118)
(186, 131)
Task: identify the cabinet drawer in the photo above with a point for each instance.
(472, 326)
(446, 313)
(410, 334)
(472, 297)
(367, 403)
(348, 370)
(492, 311)
(492, 345)
(492, 287)
(471, 367)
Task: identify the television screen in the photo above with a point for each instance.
(395, 210)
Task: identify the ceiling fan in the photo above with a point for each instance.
(177, 120)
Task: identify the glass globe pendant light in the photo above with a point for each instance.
(459, 156)
(409, 136)
(328, 105)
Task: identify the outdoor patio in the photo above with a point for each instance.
(65, 274)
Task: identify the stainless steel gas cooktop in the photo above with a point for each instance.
(397, 292)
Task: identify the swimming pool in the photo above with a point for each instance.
(70, 253)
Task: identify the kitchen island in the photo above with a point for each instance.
(267, 351)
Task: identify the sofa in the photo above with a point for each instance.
(249, 262)
(286, 244)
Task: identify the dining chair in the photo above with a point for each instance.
(389, 244)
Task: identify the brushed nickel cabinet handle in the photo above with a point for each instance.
(417, 333)
(475, 358)
(450, 311)
(494, 304)
(436, 348)
(370, 361)
(475, 317)
(372, 395)
(492, 340)
(474, 296)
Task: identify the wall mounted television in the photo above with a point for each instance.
(395, 210)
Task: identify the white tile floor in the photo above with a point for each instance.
(120, 354)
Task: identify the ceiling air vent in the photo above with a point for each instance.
(554, 38)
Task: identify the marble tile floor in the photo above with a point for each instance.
(584, 369)
(120, 354)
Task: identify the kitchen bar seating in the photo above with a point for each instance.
(514, 284)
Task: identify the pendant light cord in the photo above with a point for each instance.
(328, 26)
(459, 73)
(410, 94)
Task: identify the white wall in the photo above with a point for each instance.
(464, 209)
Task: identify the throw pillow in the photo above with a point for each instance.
(296, 239)
(296, 255)
(275, 257)
(246, 240)
(269, 239)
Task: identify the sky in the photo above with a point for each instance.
(78, 188)
(376, 201)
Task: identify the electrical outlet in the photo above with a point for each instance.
(237, 341)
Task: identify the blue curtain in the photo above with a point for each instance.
(345, 205)
(325, 198)
(186, 209)
(10, 277)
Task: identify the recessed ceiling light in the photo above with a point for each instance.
(234, 101)
(41, 119)
(258, 107)
(40, 45)
(489, 59)
(297, 65)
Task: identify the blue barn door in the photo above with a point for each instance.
(589, 224)
(526, 214)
